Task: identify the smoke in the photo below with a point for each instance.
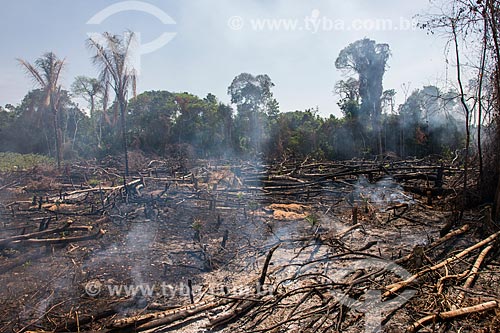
(134, 250)
(138, 242)
(383, 193)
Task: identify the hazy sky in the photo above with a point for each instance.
(216, 40)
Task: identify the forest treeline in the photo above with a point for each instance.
(166, 123)
(461, 121)
(171, 123)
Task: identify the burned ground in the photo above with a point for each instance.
(242, 246)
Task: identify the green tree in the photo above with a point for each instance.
(217, 127)
(255, 103)
(160, 120)
(91, 89)
(298, 133)
(188, 120)
(28, 126)
(150, 119)
(348, 90)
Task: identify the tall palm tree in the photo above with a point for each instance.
(45, 71)
(113, 58)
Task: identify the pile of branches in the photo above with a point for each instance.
(310, 180)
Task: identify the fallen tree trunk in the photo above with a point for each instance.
(473, 272)
(452, 314)
(66, 227)
(100, 188)
(392, 288)
(439, 241)
(62, 240)
(151, 320)
(240, 309)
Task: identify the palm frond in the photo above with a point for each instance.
(112, 55)
(33, 73)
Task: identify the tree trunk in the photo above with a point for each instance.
(377, 135)
(497, 192)
(123, 109)
(74, 134)
(492, 19)
(497, 201)
(467, 113)
(93, 120)
(57, 132)
(480, 106)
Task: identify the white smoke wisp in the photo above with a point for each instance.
(383, 193)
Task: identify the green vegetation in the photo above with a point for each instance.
(93, 181)
(17, 162)
(312, 219)
(197, 224)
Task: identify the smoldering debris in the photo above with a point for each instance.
(230, 245)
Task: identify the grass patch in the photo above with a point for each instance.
(93, 182)
(16, 162)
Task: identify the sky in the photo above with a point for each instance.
(295, 42)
